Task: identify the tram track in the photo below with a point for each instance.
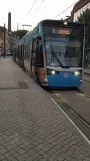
(69, 108)
(83, 125)
(80, 91)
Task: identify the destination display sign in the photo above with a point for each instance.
(61, 31)
(56, 30)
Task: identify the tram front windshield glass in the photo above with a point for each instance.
(64, 50)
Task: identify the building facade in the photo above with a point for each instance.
(79, 8)
(2, 39)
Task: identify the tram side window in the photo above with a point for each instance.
(34, 48)
(39, 54)
(28, 51)
(21, 52)
(25, 52)
(18, 52)
(33, 53)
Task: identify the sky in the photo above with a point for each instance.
(43, 9)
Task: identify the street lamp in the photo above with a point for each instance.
(26, 25)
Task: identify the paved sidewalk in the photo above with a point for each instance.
(32, 127)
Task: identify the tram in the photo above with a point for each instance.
(53, 52)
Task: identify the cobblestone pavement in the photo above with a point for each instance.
(32, 127)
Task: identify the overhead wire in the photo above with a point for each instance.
(42, 3)
(32, 7)
(39, 6)
(65, 9)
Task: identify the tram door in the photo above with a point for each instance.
(22, 56)
(33, 56)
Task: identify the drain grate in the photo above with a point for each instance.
(23, 85)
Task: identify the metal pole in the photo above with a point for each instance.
(4, 42)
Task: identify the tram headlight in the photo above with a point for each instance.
(46, 80)
(81, 81)
(65, 23)
(53, 72)
(76, 73)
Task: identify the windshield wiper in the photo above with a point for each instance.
(52, 52)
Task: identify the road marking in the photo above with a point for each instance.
(71, 121)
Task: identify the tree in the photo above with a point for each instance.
(85, 18)
(20, 33)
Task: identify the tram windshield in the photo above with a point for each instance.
(64, 50)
